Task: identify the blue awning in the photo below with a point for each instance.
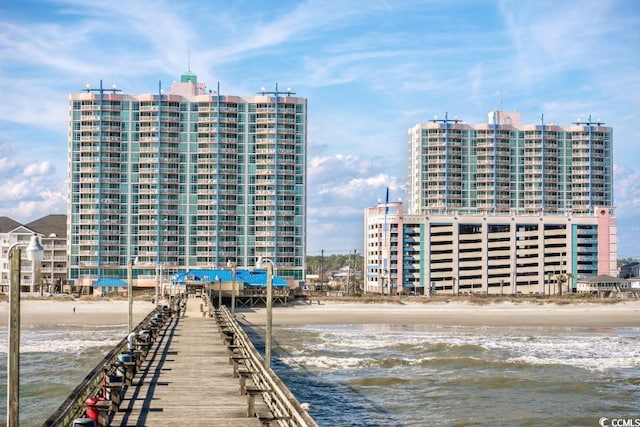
(248, 277)
(109, 282)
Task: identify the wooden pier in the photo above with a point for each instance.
(197, 368)
(186, 379)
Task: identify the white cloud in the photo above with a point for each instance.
(349, 176)
(323, 167)
(361, 186)
(29, 210)
(627, 191)
(341, 186)
(44, 168)
(49, 111)
(8, 167)
(349, 67)
(28, 192)
(627, 202)
(550, 38)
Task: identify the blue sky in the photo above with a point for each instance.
(370, 70)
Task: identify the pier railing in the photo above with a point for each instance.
(284, 408)
(74, 405)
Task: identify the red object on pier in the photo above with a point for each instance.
(92, 410)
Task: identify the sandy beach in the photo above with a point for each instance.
(462, 313)
(98, 312)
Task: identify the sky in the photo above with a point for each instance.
(369, 69)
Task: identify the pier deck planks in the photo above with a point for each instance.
(186, 379)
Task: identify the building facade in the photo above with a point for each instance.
(496, 209)
(630, 270)
(47, 276)
(488, 254)
(185, 179)
(506, 167)
(52, 230)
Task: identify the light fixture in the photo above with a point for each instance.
(130, 264)
(261, 263)
(35, 253)
(217, 279)
(232, 266)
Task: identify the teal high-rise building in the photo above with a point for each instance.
(503, 166)
(186, 178)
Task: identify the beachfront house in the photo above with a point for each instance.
(604, 285)
(48, 276)
(630, 270)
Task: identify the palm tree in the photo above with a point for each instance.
(549, 276)
(560, 278)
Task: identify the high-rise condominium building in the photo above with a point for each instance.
(188, 178)
(497, 208)
(505, 167)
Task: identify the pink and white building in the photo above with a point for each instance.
(497, 208)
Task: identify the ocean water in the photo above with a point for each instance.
(54, 359)
(392, 375)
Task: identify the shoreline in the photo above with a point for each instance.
(87, 312)
(453, 313)
(445, 312)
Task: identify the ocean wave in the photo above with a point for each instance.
(345, 363)
(66, 346)
(341, 348)
(61, 340)
(327, 362)
(55, 327)
(596, 364)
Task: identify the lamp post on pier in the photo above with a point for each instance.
(35, 253)
(233, 266)
(262, 263)
(130, 264)
(159, 269)
(217, 278)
